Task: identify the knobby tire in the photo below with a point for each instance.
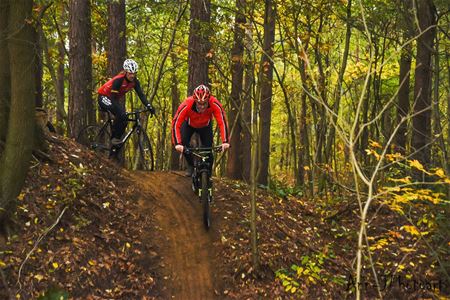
(96, 138)
(146, 152)
(205, 201)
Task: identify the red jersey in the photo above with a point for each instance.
(119, 91)
(187, 111)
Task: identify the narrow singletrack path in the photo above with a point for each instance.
(186, 248)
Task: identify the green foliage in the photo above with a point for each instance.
(55, 293)
(310, 271)
(283, 190)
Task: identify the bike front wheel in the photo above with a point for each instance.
(204, 195)
(145, 152)
(95, 137)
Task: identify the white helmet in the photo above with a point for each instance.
(130, 66)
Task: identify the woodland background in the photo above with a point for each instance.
(338, 101)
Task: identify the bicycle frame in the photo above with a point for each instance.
(201, 179)
(136, 126)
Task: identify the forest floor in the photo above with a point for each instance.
(87, 229)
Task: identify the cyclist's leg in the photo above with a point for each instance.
(206, 137)
(120, 120)
(186, 134)
(120, 117)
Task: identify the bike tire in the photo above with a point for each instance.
(204, 195)
(145, 152)
(96, 138)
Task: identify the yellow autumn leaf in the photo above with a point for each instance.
(406, 249)
(21, 196)
(39, 277)
(92, 262)
(55, 265)
(439, 172)
(411, 229)
(2, 264)
(416, 164)
(375, 145)
(128, 245)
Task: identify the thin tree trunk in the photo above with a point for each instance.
(234, 163)
(266, 78)
(61, 115)
(246, 117)
(175, 95)
(81, 108)
(38, 98)
(403, 94)
(340, 81)
(14, 160)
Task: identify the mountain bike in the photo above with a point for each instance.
(201, 178)
(98, 138)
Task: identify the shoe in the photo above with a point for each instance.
(116, 141)
(189, 171)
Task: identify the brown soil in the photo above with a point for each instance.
(185, 246)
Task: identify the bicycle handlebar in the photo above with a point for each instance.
(188, 150)
(136, 113)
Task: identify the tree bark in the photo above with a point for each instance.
(421, 137)
(81, 108)
(117, 50)
(5, 76)
(175, 94)
(403, 94)
(246, 118)
(199, 45)
(266, 78)
(14, 161)
(234, 163)
(61, 115)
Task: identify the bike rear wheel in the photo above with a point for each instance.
(96, 137)
(145, 152)
(204, 195)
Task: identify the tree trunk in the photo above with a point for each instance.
(5, 76)
(421, 137)
(266, 77)
(14, 161)
(199, 45)
(234, 164)
(403, 94)
(117, 50)
(81, 108)
(175, 93)
(38, 98)
(246, 117)
(340, 81)
(61, 116)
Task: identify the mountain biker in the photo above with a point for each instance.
(194, 115)
(110, 96)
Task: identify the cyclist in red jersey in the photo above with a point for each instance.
(194, 115)
(111, 94)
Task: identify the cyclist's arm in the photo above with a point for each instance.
(219, 114)
(178, 120)
(137, 88)
(115, 88)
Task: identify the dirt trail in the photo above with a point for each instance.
(186, 248)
